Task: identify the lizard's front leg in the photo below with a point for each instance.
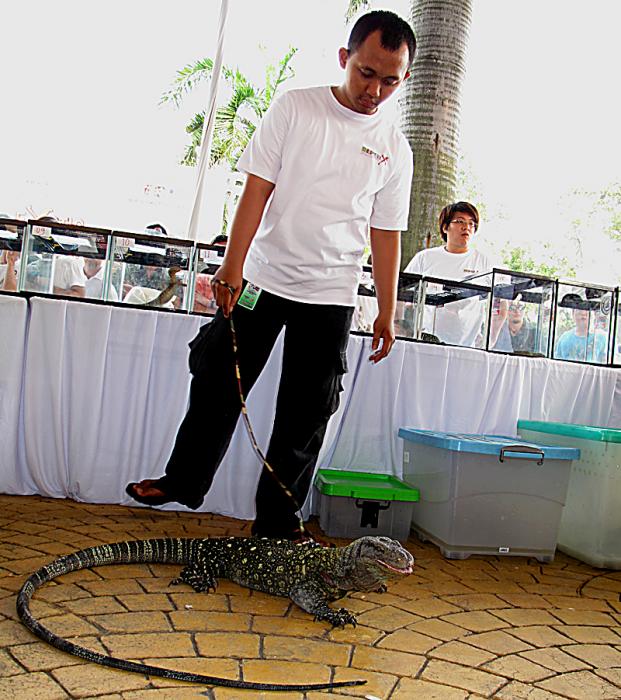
(199, 573)
(311, 597)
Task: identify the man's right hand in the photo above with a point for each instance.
(226, 286)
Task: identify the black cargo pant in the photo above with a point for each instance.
(314, 360)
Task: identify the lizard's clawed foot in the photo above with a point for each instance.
(338, 618)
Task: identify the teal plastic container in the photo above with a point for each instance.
(590, 528)
(354, 504)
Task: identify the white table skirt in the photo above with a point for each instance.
(91, 397)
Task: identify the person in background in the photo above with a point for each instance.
(69, 277)
(578, 343)
(94, 272)
(146, 277)
(521, 333)
(9, 270)
(458, 322)
(156, 230)
(204, 301)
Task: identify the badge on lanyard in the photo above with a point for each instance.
(249, 296)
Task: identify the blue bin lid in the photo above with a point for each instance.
(486, 444)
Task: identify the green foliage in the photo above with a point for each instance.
(236, 120)
(521, 259)
(608, 204)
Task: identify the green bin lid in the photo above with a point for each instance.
(584, 432)
(379, 487)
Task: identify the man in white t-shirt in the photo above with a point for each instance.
(323, 169)
(69, 277)
(459, 322)
(94, 272)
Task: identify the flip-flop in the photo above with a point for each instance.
(130, 490)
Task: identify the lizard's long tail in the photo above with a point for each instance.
(165, 551)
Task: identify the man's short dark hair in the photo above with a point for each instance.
(220, 239)
(449, 211)
(394, 32)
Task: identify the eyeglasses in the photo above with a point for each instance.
(465, 222)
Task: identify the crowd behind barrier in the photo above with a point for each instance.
(93, 388)
(501, 311)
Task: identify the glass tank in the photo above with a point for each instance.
(64, 259)
(207, 260)
(150, 270)
(11, 239)
(616, 357)
(454, 312)
(409, 294)
(584, 323)
(521, 313)
(365, 311)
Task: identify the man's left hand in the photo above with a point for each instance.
(384, 331)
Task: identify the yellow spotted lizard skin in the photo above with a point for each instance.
(309, 574)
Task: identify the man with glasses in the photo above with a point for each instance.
(460, 322)
(522, 334)
(455, 260)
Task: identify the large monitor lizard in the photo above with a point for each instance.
(309, 574)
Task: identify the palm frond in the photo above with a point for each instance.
(187, 79)
(273, 79)
(354, 7)
(233, 125)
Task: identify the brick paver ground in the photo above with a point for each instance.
(486, 627)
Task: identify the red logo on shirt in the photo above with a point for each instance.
(379, 157)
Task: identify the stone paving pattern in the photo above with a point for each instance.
(484, 627)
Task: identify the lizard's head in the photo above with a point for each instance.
(369, 561)
(385, 554)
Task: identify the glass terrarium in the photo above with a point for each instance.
(454, 312)
(64, 259)
(616, 350)
(208, 259)
(409, 294)
(583, 325)
(521, 313)
(148, 270)
(11, 239)
(365, 311)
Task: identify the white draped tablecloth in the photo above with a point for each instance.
(91, 397)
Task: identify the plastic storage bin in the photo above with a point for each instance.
(486, 494)
(591, 523)
(354, 504)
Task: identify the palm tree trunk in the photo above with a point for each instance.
(430, 108)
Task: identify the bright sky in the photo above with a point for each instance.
(82, 131)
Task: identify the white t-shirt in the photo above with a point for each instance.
(459, 322)
(438, 262)
(336, 172)
(69, 272)
(94, 287)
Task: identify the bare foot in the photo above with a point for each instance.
(146, 489)
(147, 493)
